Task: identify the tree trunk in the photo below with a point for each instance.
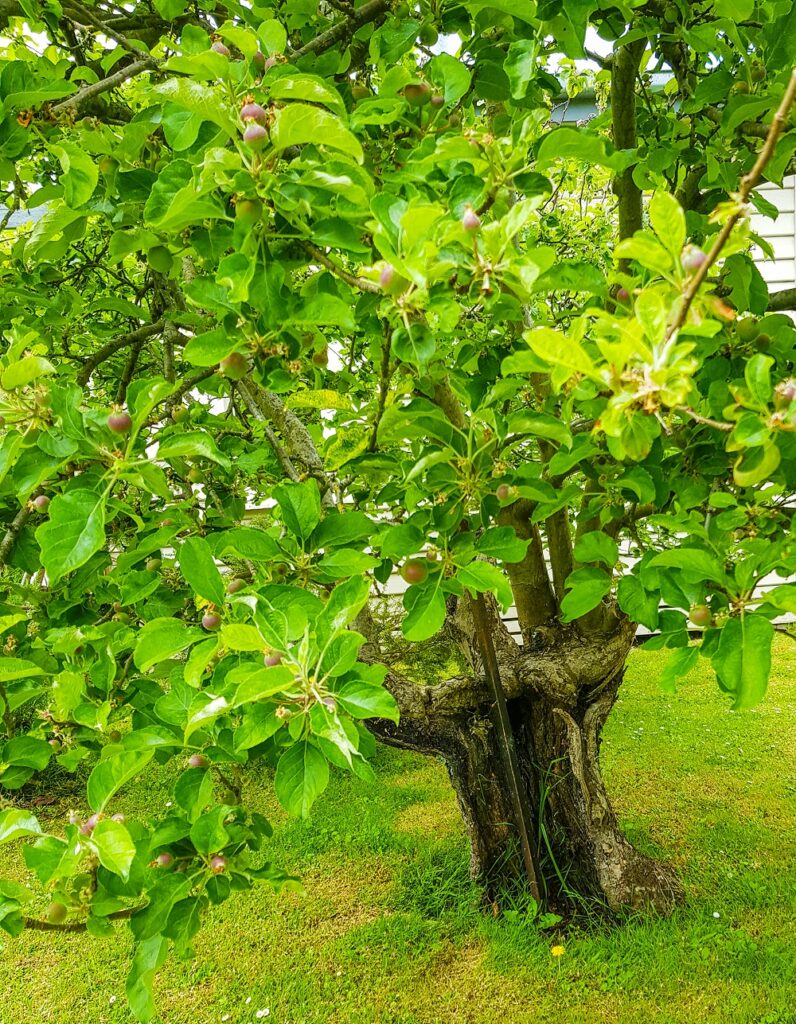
(585, 860)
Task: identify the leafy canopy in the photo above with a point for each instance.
(295, 295)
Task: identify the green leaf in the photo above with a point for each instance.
(208, 833)
(149, 956)
(200, 570)
(24, 371)
(237, 636)
(757, 374)
(501, 542)
(637, 603)
(16, 822)
(362, 699)
(193, 444)
(588, 588)
(756, 465)
(484, 577)
(114, 847)
(300, 504)
(247, 542)
(302, 774)
(680, 663)
(577, 144)
(18, 668)
(425, 605)
(74, 531)
(80, 173)
(161, 639)
(559, 350)
(743, 659)
(597, 547)
(694, 563)
(299, 124)
(294, 86)
(668, 222)
(206, 101)
(108, 777)
(256, 682)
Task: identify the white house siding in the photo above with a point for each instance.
(780, 233)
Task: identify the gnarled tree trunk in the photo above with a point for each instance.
(558, 700)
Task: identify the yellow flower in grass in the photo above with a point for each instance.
(558, 950)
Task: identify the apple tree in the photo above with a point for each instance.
(301, 299)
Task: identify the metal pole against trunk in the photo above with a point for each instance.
(522, 810)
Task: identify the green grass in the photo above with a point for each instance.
(388, 930)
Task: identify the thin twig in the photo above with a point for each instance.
(362, 283)
(748, 182)
(706, 420)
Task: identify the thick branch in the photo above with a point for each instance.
(782, 301)
(624, 69)
(13, 531)
(109, 349)
(74, 101)
(530, 583)
(347, 27)
(300, 446)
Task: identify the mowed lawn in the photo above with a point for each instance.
(388, 928)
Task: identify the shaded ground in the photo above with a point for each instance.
(388, 930)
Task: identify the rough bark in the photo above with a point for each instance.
(559, 699)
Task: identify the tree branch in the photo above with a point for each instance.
(74, 101)
(300, 446)
(13, 531)
(348, 26)
(781, 301)
(109, 349)
(362, 283)
(624, 69)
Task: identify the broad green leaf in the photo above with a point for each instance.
(302, 774)
(680, 663)
(200, 570)
(16, 822)
(425, 606)
(193, 444)
(206, 101)
(161, 639)
(80, 173)
(74, 531)
(298, 124)
(25, 370)
(743, 659)
(294, 86)
(237, 636)
(114, 847)
(694, 563)
(148, 957)
(597, 547)
(587, 589)
(300, 504)
(668, 222)
(483, 577)
(108, 777)
(18, 668)
(362, 699)
(640, 606)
